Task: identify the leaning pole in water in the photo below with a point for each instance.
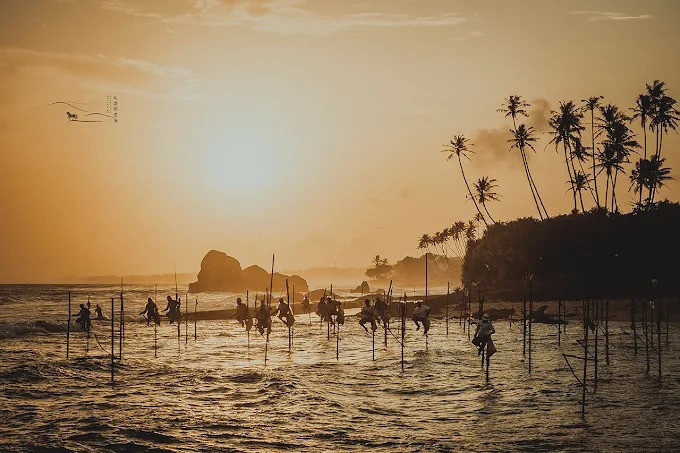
(155, 325)
(403, 330)
(121, 324)
(195, 317)
(448, 289)
(113, 355)
(68, 325)
(287, 322)
(186, 319)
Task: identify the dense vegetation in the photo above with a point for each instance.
(592, 254)
(596, 250)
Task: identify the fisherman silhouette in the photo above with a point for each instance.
(306, 308)
(483, 333)
(98, 312)
(242, 312)
(83, 317)
(367, 315)
(264, 319)
(173, 309)
(421, 314)
(150, 311)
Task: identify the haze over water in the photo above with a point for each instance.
(215, 393)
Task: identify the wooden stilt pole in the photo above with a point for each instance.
(121, 324)
(487, 367)
(403, 330)
(531, 311)
(645, 329)
(633, 303)
(337, 344)
(186, 319)
(606, 331)
(448, 290)
(596, 323)
(195, 319)
(559, 323)
(155, 341)
(113, 353)
(247, 320)
(657, 307)
(524, 322)
(584, 381)
(483, 355)
(373, 343)
(292, 310)
(89, 322)
(68, 326)
(288, 299)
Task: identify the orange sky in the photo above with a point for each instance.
(290, 126)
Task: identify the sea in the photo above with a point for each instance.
(346, 390)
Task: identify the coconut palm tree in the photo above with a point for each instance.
(581, 181)
(591, 104)
(618, 145)
(514, 107)
(566, 129)
(459, 147)
(649, 174)
(423, 242)
(664, 114)
(471, 230)
(522, 138)
(643, 110)
(485, 190)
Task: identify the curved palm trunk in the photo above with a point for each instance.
(530, 181)
(571, 179)
(462, 172)
(644, 131)
(487, 212)
(592, 134)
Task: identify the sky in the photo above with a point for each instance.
(309, 129)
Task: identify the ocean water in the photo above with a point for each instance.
(214, 393)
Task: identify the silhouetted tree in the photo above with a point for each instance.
(485, 189)
(513, 107)
(591, 104)
(566, 129)
(459, 146)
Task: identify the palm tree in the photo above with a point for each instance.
(617, 147)
(643, 110)
(522, 138)
(608, 161)
(423, 243)
(513, 107)
(663, 115)
(566, 125)
(581, 181)
(471, 230)
(459, 147)
(485, 192)
(591, 104)
(650, 174)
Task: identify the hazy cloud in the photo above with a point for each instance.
(594, 16)
(277, 16)
(104, 73)
(491, 145)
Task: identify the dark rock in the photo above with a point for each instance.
(221, 272)
(362, 289)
